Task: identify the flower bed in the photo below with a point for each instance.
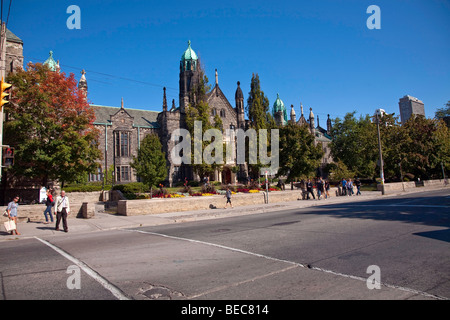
(187, 192)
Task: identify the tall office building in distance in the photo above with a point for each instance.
(409, 106)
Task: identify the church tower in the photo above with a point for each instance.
(279, 112)
(190, 74)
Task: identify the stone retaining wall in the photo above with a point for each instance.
(82, 205)
(395, 187)
(160, 205)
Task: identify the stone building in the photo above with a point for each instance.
(14, 52)
(321, 135)
(123, 128)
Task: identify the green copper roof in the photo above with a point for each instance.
(189, 54)
(279, 106)
(51, 63)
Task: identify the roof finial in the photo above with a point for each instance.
(121, 106)
(217, 78)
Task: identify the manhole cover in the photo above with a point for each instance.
(160, 293)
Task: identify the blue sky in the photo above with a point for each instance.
(320, 53)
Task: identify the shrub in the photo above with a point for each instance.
(133, 187)
(186, 189)
(208, 189)
(85, 188)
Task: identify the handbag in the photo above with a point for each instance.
(10, 225)
(5, 214)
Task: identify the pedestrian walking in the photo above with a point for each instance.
(320, 188)
(350, 187)
(12, 213)
(62, 208)
(228, 196)
(327, 189)
(309, 189)
(358, 186)
(49, 205)
(344, 187)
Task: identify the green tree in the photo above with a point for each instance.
(150, 163)
(354, 142)
(258, 108)
(443, 112)
(416, 149)
(299, 155)
(427, 147)
(50, 124)
(338, 171)
(260, 118)
(199, 110)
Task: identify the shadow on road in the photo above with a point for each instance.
(426, 210)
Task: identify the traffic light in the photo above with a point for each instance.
(3, 89)
(8, 156)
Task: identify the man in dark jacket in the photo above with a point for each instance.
(309, 189)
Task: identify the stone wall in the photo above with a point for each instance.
(158, 205)
(35, 212)
(395, 187)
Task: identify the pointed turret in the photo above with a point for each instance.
(82, 84)
(279, 111)
(302, 120)
(329, 125)
(51, 63)
(164, 100)
(293, 116)
(239, 98)
(312, 126)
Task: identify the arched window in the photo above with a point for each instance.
(214, 112)
(222, 113)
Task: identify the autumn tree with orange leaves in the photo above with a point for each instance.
(50, 124)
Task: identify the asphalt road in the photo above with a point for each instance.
(310, 253)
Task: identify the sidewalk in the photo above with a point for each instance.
(106, 221)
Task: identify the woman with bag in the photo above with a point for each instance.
(12, 213)
(49, 203)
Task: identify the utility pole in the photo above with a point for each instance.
(381, 154)
(443, 173)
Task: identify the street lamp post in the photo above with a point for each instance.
(381, 154)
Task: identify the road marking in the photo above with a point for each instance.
(413, 291)
(97, 277)
(236, 284)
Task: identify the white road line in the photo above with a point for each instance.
(105, 283)
(289, 262)
(241, 282)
